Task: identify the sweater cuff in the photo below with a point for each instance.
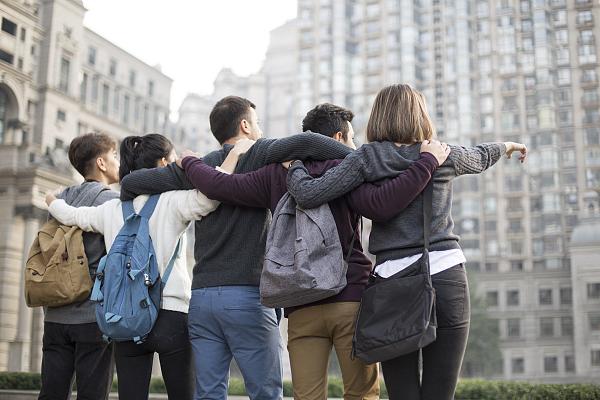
(185, 163)
(431, 160)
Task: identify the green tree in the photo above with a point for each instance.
(483, 357)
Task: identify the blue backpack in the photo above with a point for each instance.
(128, 286)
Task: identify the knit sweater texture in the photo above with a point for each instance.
(88, 194)
(401, 235)
(230, 242)
(265, 187)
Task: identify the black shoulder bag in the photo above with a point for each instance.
(397, 314)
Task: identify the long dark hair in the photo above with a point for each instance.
(139, 152)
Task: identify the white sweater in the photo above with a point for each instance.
(168, 223)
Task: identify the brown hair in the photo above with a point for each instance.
(399, 114)
(85, 149)
(328, 119)
(226, 116)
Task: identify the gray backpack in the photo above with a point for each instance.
(304, 262)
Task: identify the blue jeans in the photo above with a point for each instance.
(229, 321)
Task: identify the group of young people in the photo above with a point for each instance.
(206, 321)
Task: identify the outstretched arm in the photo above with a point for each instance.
(304, 146)
(249, 190)
(153, 181)
(370, 163)
(90, 219)
(476, 159)
(382, 202)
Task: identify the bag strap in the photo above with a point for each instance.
(128, 210)
(355, 227)
(149, 207)
(427, 201)
(165, 277)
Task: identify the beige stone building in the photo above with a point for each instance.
(58, 79)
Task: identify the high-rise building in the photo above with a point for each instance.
(58, 80)
(491, 70)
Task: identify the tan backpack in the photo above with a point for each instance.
(57, 272)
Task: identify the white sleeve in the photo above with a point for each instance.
(191, 205)
(90, 219)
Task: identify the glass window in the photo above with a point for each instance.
(512, 298)
(584, 17)
(491, 298)
(9, 27)
(569, 363)
(92, 55)
(95, 82)
(65, 68)
(132, 78)
(61, 116)
(589, 76)
(566, 296)
(105, 95)
(566, 326)
(83, 88)
(593, 290)
(518, 365)
(545, 296)
(513, 327)
(516, 265)
(546, 327)
(550, 364)
(3, 107)
(594, 319)
(595, 358)
(125, 109)
(112, 69)
(564, 76)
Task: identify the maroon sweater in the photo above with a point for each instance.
(264, 188)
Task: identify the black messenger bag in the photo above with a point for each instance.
(397, 314)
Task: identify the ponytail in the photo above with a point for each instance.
(139, 152)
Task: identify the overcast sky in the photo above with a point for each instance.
(191, 39)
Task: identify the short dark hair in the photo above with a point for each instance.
(328, 119)
(226, 116)
(85, 149)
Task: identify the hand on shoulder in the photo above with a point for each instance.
(438, 149)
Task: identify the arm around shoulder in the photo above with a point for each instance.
(89, 219)
(153, 181)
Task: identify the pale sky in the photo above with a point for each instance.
(191, 39)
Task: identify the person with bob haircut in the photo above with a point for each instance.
(399, 123)
(173, 213)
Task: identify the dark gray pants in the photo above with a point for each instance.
(442, 359)
(75, 349)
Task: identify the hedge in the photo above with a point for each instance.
(469, 389)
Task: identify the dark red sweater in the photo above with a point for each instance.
(264, 188)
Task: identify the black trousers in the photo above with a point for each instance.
(169, 338)
(75, 349)
(442, 359)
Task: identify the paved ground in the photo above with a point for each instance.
(32, 395)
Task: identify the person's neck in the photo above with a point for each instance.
(100, 178)
(235, 139)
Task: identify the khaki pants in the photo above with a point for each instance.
(311, 333)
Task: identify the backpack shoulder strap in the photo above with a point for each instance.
(149, 207)
(127, 208)
(169, 268)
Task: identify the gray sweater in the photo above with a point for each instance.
(230, 242)
(85, 195)
(401, 235)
